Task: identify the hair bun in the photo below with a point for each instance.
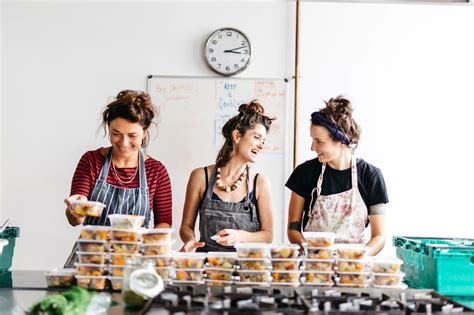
(254, 107)
(340, 105)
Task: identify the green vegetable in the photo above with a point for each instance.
(72, 302)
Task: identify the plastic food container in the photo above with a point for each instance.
(125, 247)
(164, 272)
(91, 269)
(352, 251)
(116, 283)
(351, 265)
(157, 249)
(322, 278)
(126, 221)
(224, 260)
(252, 250)
(253, 263)
(218, 282)
(319, 252)
(359, 279)
(319, 239)
(117, 270)
(90, 282)
(92, 258)
(281, 276)
(388, 279)
(386, 265)
(254, 276)
(125, 235)
(93, 246)
(284, 251)
(120, 259)
(60, 278)
(220, 274)
(94, 232)
(159, 260)
(286, 264)
(157, 235)
(189, 275)
(318, 264)
(189, 260)
(90, 208)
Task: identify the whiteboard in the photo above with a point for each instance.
(192, 111)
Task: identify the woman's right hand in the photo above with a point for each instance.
(191, 246)
(74, 218)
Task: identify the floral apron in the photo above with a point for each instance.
(343, 213)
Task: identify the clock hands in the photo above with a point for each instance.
(233, 50)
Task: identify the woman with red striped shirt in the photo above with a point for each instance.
(121, 176)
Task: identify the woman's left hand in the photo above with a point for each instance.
(229, 237)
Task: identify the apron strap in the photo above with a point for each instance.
(141, 169)
(210, 188)
(105, 168)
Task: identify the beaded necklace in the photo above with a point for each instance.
(234, 186)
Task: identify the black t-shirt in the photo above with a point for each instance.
(370, 183)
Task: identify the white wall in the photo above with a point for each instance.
(62, 62)
(408, 70)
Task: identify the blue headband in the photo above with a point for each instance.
(319, 119)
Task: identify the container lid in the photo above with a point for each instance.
(129, 243)
(318, 260)
(61, 272)
(91, 253)
(361, 261)
(398, 274)
(162, 243)
(95, 227)
(125, 230)
(286, 284)
(170, 256)
(184, 255)
(190, 269)
(305, 245)
(254, 271)
(363, 273)
(87, 202)
(128, 255)
(350, 246)
(322, 284)
(401, 286)
(251, 245)
(146, 283)
(286, 259)
(157, 231)
(294, 246)
(254, 259)
(231, 270)
(319, 234)
(91, 277)
(222, 254)
(219, 281)
(77, 264)
(82, 240)
(318, 272)
(285, 271)
(384, 260)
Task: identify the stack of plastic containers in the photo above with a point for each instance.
(319, 260)
(220, 268)
(156, 247)
(352, 265)
(386, 273)
(285, 264)
(254, 263)
(189, 267)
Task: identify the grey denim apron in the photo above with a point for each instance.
(216, 215)
(135, 201)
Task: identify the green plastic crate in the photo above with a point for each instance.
(443, 264)
(6, 258)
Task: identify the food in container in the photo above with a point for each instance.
(281, 276)
(388, 279)
(158, 248)
(93, 246)
(311, 277)
(117, 270)
(159, 260)
(253, 263)
(157, 235)
(164, 272)
(91, 282)
(318, 264)
(319, 239)
(218, 282)
(189, 260)
(94, 232)
(60, 278)
(85, 207)
(119, 259)
(192, 275)
(91, 269)
(352, 278)
(126, 221)
(319, 252)
(125, 247)
(252, 250)
(386, 265)
(224, 260)
(116, 283)
(219, 274)
(352, 251)
(92, 258)
(284, 251)
(125, 235)
(286, 264)
(351, 265)
(260, 276)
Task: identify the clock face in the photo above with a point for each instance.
(228, 51)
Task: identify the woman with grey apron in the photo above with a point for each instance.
(123, 190)
(337, 192)
(230, 209)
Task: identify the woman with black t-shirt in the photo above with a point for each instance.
(337, 192)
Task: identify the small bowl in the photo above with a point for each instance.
(90, 208)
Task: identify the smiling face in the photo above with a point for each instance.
(250, 145)
(325, 147)
(126, 137)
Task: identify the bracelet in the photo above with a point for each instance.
(296, 226)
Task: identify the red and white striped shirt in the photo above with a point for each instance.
(158, 181)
